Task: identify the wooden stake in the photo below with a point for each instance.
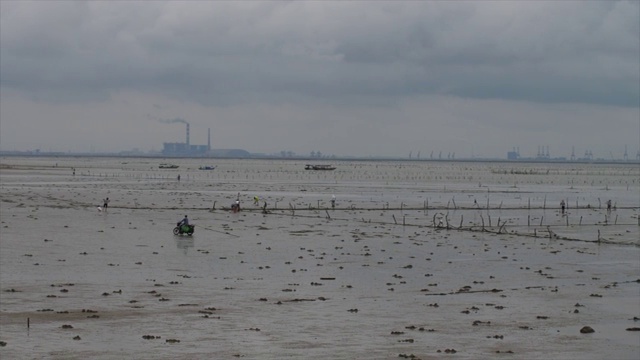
(501, 227)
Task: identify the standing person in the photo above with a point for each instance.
(256, 200)
(178, 177)
(562, 206)
(609, 205)
(333, 201)
(105, 204)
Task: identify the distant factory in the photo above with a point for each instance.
(185, 149)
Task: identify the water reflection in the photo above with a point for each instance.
(184, 243)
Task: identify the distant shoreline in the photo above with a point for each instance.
(328, 159)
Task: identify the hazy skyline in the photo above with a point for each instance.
(344, 78)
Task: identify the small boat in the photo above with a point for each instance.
(168, 166)
(319, 167)
(206, 168)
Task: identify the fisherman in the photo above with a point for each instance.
(256, 200)
(105, 203)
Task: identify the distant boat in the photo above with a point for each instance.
(168, 166)
(319, 167)
(206, 168)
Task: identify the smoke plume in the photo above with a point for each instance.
(173, 121)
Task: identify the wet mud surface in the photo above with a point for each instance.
(416, 260)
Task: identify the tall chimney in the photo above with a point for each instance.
(187, 134)
(209, 139)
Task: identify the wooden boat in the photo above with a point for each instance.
(319, 167)
(168, 166)
(206, 168)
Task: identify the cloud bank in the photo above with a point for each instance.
(380, 71)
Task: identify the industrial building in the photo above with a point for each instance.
(186, 149)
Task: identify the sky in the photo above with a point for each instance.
(348, 78)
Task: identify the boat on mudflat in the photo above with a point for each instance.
(168, 166)
(206, 168)
(319, 167)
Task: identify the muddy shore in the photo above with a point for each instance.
(416, 260)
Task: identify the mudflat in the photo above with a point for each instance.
(422, 260)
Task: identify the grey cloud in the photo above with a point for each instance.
(221, 53)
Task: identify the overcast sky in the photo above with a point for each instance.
(347, 78)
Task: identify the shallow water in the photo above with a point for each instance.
(287, 284)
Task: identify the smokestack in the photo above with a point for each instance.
(187, 134)
(209, 139)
